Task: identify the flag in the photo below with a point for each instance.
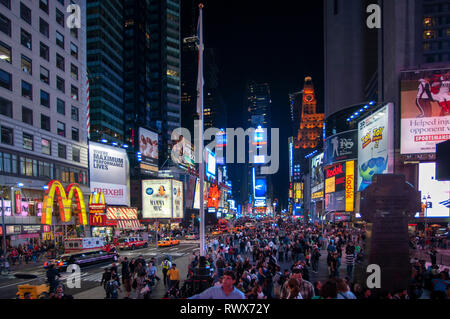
(200, 81)
(88, 120)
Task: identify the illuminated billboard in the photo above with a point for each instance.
(182, 152)
(340, 187)
(425, 110)
(109, 173)
(211, 164)
(317, 179)
(162, 198)
(435, 194)
(341, 147)
(260, 188)
(148, 146)
(375, 145)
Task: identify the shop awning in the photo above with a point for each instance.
(124, 213)
(131, 224)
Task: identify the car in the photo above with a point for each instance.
(82, 258)
(217, 232)
(130, 243)
(191, 236)
(168, 241)
(237, 229)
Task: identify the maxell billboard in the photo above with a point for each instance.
(109, 173)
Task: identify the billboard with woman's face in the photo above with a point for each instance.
(148, 146)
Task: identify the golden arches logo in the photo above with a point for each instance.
(97, 198)
(65, 199)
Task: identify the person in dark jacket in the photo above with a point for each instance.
(52, 277)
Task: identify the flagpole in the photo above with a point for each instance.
(200, 110)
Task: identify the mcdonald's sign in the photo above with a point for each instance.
(97, 220)
(65, 199)
(97, 203)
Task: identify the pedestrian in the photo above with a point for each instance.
(113, 286)
(433, 255)
(174, 277)
(315, 259)
(52, 277)
(59, 294)
(294, 290)
(225, 290)
(126, 277)
(106, 277)
(350, 260)
(343, 290)
(166, 265)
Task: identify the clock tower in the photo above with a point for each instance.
(311, 123)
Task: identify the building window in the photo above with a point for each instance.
(62, 151)
(74, 72)
(28, 167)
(5, 52)
(7, 135)
(60, 84)
(5, 107)
(27, 90)
(61, 129)
(75, 154)
(45, 75)
(429, 34)
(75, 134)
(45, 122)
(26, 65)
(46, 146)
(5, 25)
(74, 113)
(5, 80)
(61, 106)
(45, 99)
(27, 115)
(28, 143)
(74, 50)
(44, 28)
(60, 18)
(59, 39)
(25, 13)
(25, 39)
(45, 169)
(43, 5)
(60, 63)
(6, 3)
(74, 93)
(44, 51)
(74, 32)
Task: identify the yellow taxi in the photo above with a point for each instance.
(217, 232)
(237, 229)
(168, 241)
(36, 292)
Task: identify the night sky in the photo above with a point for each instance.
(278, 42)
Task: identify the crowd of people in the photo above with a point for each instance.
(252, 261)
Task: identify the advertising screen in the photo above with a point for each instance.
(425, 110)
(436, 193)
(260, 188)
(341, 147)
(340, 187)
(213, 197)
(148, 146)
(211, 164)
(157, 198)
(317, 177)
(375, 146)
(197, 194)
(182, 152)
(177, 197)
(109, 173)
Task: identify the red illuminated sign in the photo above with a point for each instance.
(336, 170)
(97, 220)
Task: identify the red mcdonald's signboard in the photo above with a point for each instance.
(97, 220)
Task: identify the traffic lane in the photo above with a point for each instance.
(8, 287)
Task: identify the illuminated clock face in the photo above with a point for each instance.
(309, 98)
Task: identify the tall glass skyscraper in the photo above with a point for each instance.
(105, 68)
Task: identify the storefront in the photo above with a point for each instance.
(124, 220)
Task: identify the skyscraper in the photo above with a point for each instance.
(258, 105)
(165, 69)
(137, 74)
(105, 67)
